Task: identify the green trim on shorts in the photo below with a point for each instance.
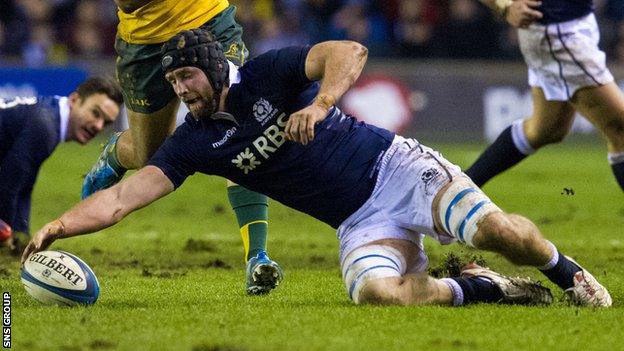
(141, 77)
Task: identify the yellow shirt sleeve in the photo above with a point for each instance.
(158, 21)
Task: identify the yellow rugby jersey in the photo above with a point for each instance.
(160, 20)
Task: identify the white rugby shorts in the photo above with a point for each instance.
(564, 57)
(400, 206)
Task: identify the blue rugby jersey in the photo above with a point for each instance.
(29, 132)
(329, 179)
(557, 11)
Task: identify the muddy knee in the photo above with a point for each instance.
(371, 271)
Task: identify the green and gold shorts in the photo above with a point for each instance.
(140, 74)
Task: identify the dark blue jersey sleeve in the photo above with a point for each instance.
(284, 67)
(31, 143)
(175, 157)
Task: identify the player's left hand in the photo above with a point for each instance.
(300, 125)
(44, 238)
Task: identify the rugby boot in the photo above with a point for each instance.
(587, 291)
(516, 291)
(106, 171)
(262, 274)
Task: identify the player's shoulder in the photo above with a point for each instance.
(285, 53)
(274, 63)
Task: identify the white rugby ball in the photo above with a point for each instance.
(59, 278)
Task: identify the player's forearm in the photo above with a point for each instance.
(101, 210)
(129, 6)
(498, 6)
(343, 64)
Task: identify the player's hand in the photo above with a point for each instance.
(300, 125)
(44, 237)
(521, 13)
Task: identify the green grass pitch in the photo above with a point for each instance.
(171, 274)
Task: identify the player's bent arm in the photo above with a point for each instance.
(129, 6)
(338, 64)
(104, 208)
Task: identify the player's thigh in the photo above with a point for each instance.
(229, 33)
(458, 209)
(550, 121)
(604, 107)
(150, 100)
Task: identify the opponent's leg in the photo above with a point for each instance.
(466, 213)
(604, 107)
(131, 150)
(377, 273)
(549, 123)
(251, 208)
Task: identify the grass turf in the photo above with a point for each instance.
(171, 274)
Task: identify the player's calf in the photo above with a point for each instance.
(106, 171)
(514, 237)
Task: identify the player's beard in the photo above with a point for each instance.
(203, 108)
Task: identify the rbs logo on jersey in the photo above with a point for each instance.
(271, 139)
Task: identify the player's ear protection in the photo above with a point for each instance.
(197, 48)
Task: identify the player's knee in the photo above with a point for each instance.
(496, 231)
(385, 291)
(371, 274)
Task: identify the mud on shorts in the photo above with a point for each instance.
(564, 57)
(400, 206)
(140, 74)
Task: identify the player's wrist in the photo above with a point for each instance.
(57, 228)
(502, 7)
(325, 101)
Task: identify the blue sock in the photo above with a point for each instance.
(561, 271)
(498, 157)
(473, 290)
(618, 171)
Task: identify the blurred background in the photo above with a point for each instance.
(438, 69)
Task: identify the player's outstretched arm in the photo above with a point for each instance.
(518, 13)
(104, 208)
(338, 64)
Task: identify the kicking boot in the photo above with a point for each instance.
(262, 274)
(516, 291)
(587, 291)
(106, 172)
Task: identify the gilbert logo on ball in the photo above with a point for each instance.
(59, 278)
(5, 231)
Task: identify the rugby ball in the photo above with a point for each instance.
(59, 278)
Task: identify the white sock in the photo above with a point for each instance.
(458, 294)
(520, 139)
(615, 157)
(553, 260)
